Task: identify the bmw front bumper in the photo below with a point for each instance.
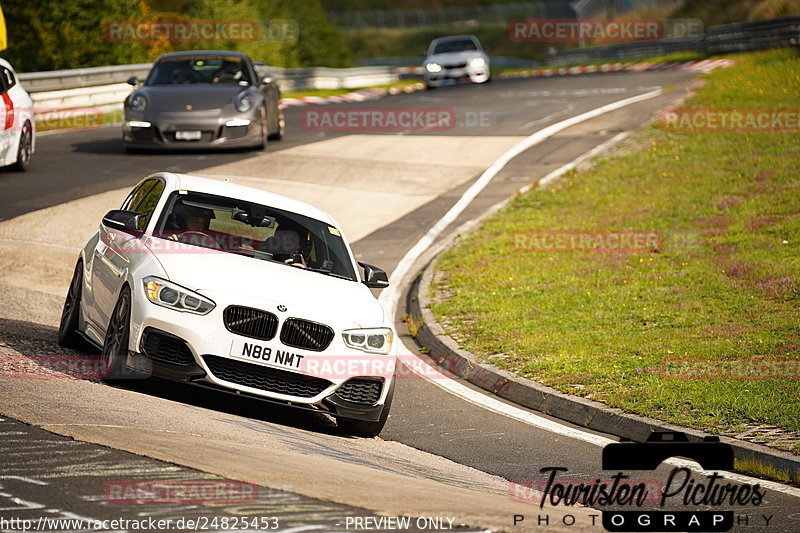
(452, 75)
(199, 349)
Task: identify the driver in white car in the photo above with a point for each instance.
(190, 218)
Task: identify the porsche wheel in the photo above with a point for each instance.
(264, 130)
(280, 124)
(364, 428)
(25, 150)
(115, 346)
(68, 335)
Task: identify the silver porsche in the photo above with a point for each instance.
(202, 100)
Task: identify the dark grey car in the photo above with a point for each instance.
(200, 100)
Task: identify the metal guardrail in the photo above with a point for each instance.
(288, 78)
(54, 80)
(751, 36)
(739, 37)
(620, 52)
(103, 89)
(293, 79)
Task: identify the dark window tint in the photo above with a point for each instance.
(7, 80)
(179, 70)
(460, 45)
(144, 198)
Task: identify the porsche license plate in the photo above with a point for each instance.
(188, 135)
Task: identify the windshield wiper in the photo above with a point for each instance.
(329, 273)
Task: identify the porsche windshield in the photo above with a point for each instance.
(265, 233)
(181, 70)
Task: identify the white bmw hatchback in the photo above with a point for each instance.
(236, 289)
(17, 126)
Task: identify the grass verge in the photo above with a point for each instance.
(702, 328)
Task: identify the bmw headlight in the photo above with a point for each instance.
(243, 101)
(167, 294)
(138, 102)
(477, 62)
(374, 340)
(433, 67)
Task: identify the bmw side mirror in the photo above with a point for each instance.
(121, 220)
(133, 80)
(374, 277)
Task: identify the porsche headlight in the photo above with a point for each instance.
(243, 101)
(167, 294)
(433, 67)
(138, 102)
(375, 340)
(477, 62)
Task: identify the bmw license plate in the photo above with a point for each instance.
(190, 135)
(258, 352)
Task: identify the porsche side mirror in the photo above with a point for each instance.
(374, 277)
(127, 221)
(133, 80)
(267, 80)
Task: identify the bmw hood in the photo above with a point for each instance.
(234, 279)
(200, 97)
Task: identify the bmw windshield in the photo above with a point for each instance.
(454, 45)
(261, 232)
